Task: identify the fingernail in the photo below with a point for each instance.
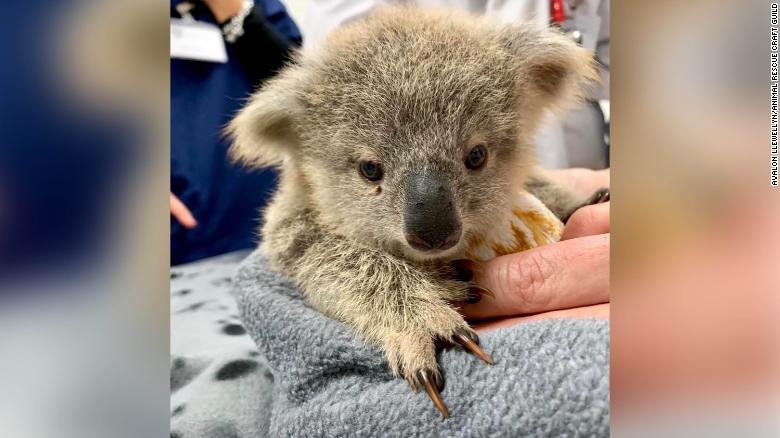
(463, 270)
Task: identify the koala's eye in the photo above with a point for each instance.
(371, 171)
(477, 157)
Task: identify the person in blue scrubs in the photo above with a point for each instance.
(223, 199)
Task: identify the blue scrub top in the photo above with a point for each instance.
(225, 199)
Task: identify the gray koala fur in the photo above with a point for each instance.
(415, 91)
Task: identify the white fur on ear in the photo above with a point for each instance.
(555, 68)
(265, 131)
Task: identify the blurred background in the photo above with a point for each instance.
(696, 242)
(89, 140)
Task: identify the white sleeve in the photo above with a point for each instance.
(326, 15)
(512, 11)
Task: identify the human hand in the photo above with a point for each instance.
(182, 214)
(569, 278)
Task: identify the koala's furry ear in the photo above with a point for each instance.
(265, 131)
(559, 71)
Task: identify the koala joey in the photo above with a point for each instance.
(403, 142)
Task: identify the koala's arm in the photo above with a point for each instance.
(400, 307)
(561, 201)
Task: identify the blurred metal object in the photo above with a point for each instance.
(575, 35)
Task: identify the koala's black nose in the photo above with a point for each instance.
(430, 219)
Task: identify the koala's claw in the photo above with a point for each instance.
(432, 385)
(476, 291)
(601, 195)
(470, 341)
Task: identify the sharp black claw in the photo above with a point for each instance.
(473, 297)
(426, 378)
(471, 343)
(601, 195)
(482, 291)
(464, 270)
(598, 197)
(476, 293)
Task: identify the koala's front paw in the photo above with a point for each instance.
(412, 354)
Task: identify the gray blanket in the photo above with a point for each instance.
(550, 378)
(309, 376)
